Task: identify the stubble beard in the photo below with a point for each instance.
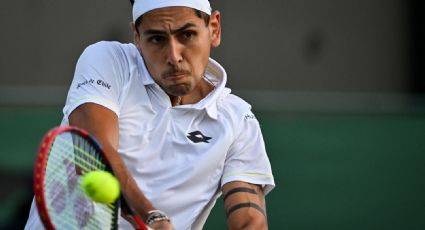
(178, 90)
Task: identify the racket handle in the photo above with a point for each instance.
(139, 223)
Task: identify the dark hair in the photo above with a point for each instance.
(198, 13)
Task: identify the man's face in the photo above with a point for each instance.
(175, 44)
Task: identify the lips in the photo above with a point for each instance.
(175, 75)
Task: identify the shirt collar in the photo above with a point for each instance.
(214, 72)
(144, 73)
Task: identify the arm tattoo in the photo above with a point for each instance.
(245, 205)
(240, 189)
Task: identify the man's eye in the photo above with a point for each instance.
(188, 34)
(156, 39)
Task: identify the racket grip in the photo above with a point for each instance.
(139, 223)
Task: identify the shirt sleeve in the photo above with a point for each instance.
(98, 78)
(247, 159)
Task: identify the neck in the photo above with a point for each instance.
(176, 100)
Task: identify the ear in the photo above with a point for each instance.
(136, 35)
(215, 28)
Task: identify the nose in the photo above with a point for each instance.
(174, 52)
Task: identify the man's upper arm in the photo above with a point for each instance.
(99, 121)
(102, 123)
(245, 206)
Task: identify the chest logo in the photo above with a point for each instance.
(197, 136)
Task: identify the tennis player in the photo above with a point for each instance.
(175, 135)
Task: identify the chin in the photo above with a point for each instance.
(180, 89)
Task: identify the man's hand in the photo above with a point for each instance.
(245, 206)
(162, 225)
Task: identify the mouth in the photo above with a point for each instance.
(175, 76)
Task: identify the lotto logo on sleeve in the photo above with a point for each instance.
(93, 82)
(249, 116)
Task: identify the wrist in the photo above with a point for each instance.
(156, 216)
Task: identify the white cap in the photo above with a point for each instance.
(142, 6)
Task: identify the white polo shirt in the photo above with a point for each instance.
(179, 156)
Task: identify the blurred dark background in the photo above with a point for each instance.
(338, 87)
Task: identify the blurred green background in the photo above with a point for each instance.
(333, 171)
(338, 88)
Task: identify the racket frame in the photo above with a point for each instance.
(41, 165)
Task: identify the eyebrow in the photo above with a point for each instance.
(178, 30)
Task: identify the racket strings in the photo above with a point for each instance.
(81, 148)
(70, 157)
(65, 151)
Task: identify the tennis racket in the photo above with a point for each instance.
(65, 154)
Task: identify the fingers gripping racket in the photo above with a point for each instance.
(66, 154)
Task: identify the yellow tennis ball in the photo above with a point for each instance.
(101, 186)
